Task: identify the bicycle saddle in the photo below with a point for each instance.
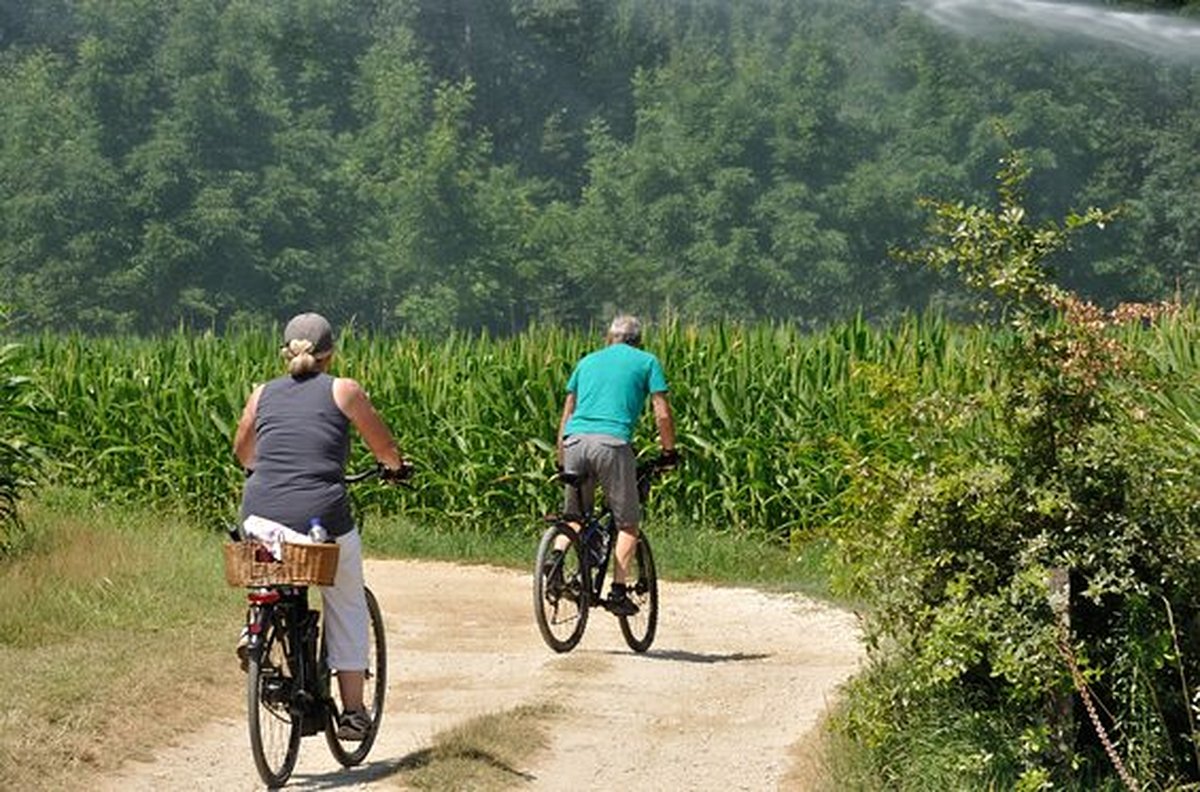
(570, 478)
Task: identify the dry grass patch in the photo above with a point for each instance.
(485, 753)
(823, 760)
(115, 634)
(104, 700)
(809, 771)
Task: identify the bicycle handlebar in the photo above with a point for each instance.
(362, 475)
(398, 476)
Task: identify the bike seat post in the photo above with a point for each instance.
(584, 511)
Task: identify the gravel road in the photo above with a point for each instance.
(735, 679)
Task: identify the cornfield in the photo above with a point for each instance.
(771, 419)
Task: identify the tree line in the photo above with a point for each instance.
(439, 165)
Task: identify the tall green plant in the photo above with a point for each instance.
(18, 456)
(769, 415)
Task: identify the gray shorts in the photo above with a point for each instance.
(609, 462)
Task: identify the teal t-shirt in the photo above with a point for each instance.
(610, 387)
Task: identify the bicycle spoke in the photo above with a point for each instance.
(274, 733)
(560, 599)
(639, 628)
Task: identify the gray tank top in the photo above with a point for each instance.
(302, 443)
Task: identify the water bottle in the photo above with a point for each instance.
(316, 531)
(598, 543)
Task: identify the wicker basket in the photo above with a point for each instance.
(301, 565)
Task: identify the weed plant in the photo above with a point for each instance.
(19, 455)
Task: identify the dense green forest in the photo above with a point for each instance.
(424, 165)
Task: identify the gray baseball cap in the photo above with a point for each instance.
(311, 327)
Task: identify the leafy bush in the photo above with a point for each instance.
(1041, 570)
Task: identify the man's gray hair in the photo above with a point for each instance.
(625, 329)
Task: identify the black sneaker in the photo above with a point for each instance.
(619, 603)
(354, 725)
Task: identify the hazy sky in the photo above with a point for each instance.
(1157, 34)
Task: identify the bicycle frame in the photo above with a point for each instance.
(592, 530)
(592, 523)
(287, 607)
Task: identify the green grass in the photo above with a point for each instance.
(742, 558)
(387, 536)
(681, 552)
(938, 741)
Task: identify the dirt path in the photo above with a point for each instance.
(735, 678)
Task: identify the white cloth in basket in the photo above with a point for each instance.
(273, 534)
(347, 620)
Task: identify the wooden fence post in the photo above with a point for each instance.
(1061, 704)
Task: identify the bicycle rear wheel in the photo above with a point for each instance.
(270, 688)
(560, 588)
(347, 752)
(639, 628)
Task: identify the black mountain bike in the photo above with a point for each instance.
(571, 567)
(291, 692)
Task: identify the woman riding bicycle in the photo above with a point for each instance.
(293, 439)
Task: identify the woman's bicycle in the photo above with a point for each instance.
(572, 563)
(291, 692)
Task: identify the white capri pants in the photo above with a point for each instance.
(347, 621)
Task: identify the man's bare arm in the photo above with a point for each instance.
(568, 411)
(664, 419)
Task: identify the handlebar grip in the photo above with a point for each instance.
(397, 476)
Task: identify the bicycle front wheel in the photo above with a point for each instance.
(639, 628)
(347, 752)
(270, 688)
(560, 588)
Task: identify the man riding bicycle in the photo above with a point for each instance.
(605, 396)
